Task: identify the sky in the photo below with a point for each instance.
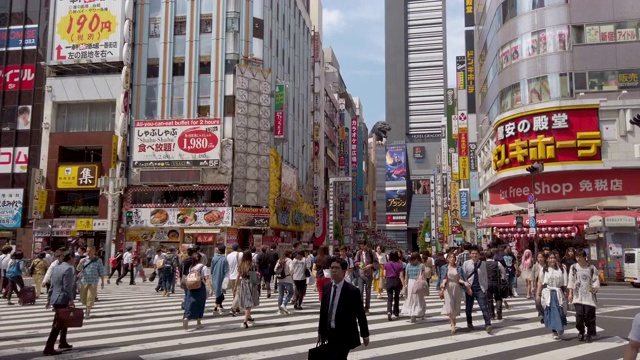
(355, 31)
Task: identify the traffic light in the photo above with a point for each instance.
(519, 222)
(535, 168)
(635, 121)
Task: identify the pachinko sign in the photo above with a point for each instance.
(176, 143)
(570, 135)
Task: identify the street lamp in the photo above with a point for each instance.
(535, 169)
(111, 187)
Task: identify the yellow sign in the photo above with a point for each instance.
(87, 25)
(454, 196)
(445, 225)
(114, 151)
(84, 224)
(77, 176)
(42, 200)
(464, 167)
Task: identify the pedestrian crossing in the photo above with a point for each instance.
(135, 322)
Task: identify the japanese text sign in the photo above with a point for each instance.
(279, 111)
(552, 136)
(77, 176)
(11, 208)
(464, 203)
(455, 199)
(14, 160)
(15, 77)
(88, 29)
(176, 143)
(19, 37)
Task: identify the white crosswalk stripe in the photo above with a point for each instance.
(137, 323)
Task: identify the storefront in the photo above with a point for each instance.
(250, 227)
(70, 233)
(11, 205)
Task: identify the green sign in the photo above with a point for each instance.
(279, 97)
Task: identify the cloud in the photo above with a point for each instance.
(455, 39)
(333, 20)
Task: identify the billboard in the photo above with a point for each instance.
(19, 37)
(396, 164)
(14, 160)
(464, 203)
(396, 201)
(251, 217)
(279, 111)
(17, 77)
(180, 217)
(289, 183)
(88, 30)
(421, 187)
(471, 70)
(176, 143)
(11, 208)
(78, 176)
(550, 136)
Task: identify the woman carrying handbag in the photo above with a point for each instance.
(417, 288)
(61, 298)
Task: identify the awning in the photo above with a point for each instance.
(569, 218)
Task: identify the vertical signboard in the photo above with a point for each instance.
(464, 203)
(279, 111)
(19, 37)
(455, 166)
(460, 72)
(455, 200)
(451, 109)
(471, 71)
(469, 20)
(354, 165)
(474, 186)
(473, 157)
(463, 145)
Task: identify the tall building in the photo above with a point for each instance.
(23, 44)
(558, 85)
(223, 90)
(415, 78)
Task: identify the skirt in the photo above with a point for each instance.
(415, 305)
(378, 280)
(195, 302)
(248, 295)
(554, 316)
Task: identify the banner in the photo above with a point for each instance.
(469, 20)
(180, 217)
(78, 176)
(455, 199)
(396, 164)
(474, 186)
(88, 30)
(176, 143)
(396, 201)
(551, 136)
(251, 217)
(279, 112)
(471, 70)
(289, 183)
(11, 208)
(16, 77)
(14, 160)
(464, 203)
(19, 37)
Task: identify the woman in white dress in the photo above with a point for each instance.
(415, 306)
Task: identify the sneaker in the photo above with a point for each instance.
(489, 329)
(581, 337)
(284, 309)
(555, 336)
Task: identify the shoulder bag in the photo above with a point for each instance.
(194, 279)
(254, 276)
(420, 286)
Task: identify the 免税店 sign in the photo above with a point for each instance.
(176, 143)
(551, 136)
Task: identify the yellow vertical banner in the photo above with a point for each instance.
(114, 151)
(455, 199)
(464, 167)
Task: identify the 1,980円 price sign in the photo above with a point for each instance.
(88, 29)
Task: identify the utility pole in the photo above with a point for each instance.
(535, 169)
(111, 187)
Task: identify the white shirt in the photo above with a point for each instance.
(3, 265)
(233, 259)
(49, 259)
(127, 258)
(155, 258)
(287, 271)
(47, 276)
(338, 289)
(634, 335)
(298, 267)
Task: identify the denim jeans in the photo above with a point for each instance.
(480, 296)
(167, 280)
(281, 287)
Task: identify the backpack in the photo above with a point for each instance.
(194, 279)
(160, 263)
(282, 273)
(168, 263)
(493, 272)
(113, 262)
(14, 271)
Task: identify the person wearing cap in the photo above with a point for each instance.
(233, 259)
(127, 261)
(38, 268)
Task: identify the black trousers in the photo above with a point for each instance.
(55, 331)
(586, 317)
(128, 268)
(113, 270)
(15, 285)
(337, 348)
(301, 290)
(393, 287)
(494, 294)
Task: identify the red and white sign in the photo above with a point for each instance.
(463, 144)
(176, 143)
(278, 125)
(14, 77)
(463, 121)
(549, 137)
(567, 185)
(14, 160)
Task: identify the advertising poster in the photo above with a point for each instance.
(396, 201)
(16, 77)
(180, 217)
(11, 208)
(23, 120)
(176, 143)
(421, 187)
(396, 164)
(88, 30)
(279, 112)
(19, 37)
(289, 182)
(251, 217)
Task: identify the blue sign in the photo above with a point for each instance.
(11, 208)
(530, 198)
(532, 222)
(19, 37)
(464, 203)
(474, 186)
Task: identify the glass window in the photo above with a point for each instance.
(153, 71)
(538, 89)
(154, 28)
(155, 8)
(205, 67)
(85, 117)
(206, 25)
(603, 80)
(180, 27)
(580, 81)
(178, 69)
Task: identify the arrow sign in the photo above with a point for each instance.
(532, 222)
(59, 55)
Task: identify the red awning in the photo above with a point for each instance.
(568, 218)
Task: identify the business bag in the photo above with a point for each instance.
(320, 352)
(69, 317)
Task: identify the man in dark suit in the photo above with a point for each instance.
(341, 312)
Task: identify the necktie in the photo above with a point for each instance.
(333, 298)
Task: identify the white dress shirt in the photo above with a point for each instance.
(338, 289)
(47, 276)
(127, 258)
(3, 264)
